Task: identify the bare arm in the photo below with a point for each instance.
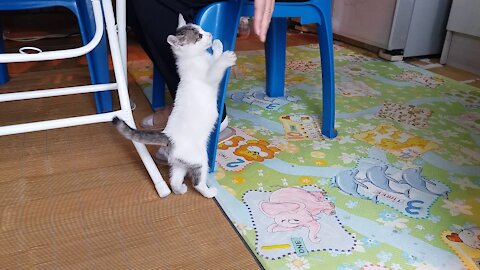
(262, 17)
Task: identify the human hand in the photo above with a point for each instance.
(262, 16)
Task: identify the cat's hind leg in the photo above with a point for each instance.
(199, 178)
(177, 177)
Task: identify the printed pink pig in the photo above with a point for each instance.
(293, 208)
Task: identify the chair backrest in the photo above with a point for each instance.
(33, 4)
(222, 19)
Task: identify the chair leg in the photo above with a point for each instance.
(162, 189)
(3, 67)
(97, 58)
(213, 141)
(325, 39)
(158, 90)
(275, 57)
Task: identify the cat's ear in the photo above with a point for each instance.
(173, 41)
(181, 20)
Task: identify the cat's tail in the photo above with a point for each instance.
(141, 136)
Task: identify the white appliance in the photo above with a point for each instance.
(405, 27)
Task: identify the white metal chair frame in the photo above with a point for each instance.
(118, 54)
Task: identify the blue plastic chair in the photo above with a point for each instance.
(315, 11)
(97, 58)
(222, 20)
(3, 68)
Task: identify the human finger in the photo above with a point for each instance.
(259, 6)
(267, 16)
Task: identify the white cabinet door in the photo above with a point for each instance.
(368, 21)
(465, 17)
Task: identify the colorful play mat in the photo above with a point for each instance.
(399, 188)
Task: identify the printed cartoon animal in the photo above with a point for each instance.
(293, 208)
(399, 146)
(413, 177)
(256, 150)
(184, 139)
(347, 183)
(377, 176)
(470, 237)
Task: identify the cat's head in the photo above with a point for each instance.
(190, 39)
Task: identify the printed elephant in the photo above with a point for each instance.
(293, 208)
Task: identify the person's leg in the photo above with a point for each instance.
(152, 22)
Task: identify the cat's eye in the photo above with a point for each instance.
(199, 37)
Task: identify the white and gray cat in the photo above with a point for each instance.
(185, 137)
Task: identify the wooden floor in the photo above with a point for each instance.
(78, 198)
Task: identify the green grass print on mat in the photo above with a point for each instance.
(399, 188)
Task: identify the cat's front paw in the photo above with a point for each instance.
(217, 46)
(229, 58)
